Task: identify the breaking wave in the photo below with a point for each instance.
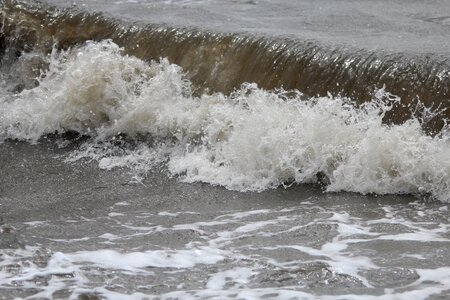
(141, 114)
(221, 62)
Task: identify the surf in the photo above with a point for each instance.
(250, 140)
(221, 61)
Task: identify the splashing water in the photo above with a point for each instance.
(251, 140)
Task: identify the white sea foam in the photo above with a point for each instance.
(138, 261)
(236, 276)
(249, 141)
(350, 261)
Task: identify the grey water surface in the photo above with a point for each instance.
(74, 231)
(70, 229)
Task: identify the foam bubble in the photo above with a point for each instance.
(138, 261)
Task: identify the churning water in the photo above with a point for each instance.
(259, 114)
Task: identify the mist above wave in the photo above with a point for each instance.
(250, 140)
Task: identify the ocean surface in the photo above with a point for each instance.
(205, 149)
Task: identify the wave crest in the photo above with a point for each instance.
(251, 140)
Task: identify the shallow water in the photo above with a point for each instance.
(224, 150)
(76, 232)
(413, 26)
